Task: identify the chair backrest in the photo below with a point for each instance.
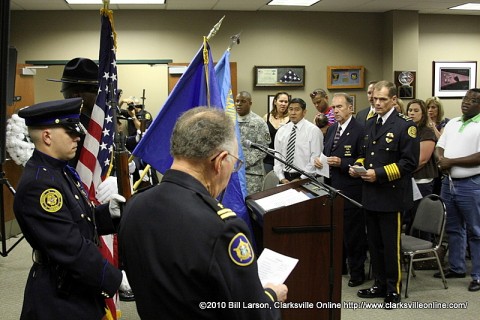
(270, 181)
(430, 215)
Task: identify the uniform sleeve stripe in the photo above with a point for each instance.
(269, 295)
(222, 211)
(392, 171)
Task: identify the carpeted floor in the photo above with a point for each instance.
(424, 288)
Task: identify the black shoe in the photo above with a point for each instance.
(373, 292)
(126, 295)
(449, 274)
(356, 282)
(391, 300)
(474, 285)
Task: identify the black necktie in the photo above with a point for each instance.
(378, 125)
(337, 136)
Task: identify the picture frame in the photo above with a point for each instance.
(354, 102)
(406, 82)
(279, 76)
(452, 79)
(345, 77)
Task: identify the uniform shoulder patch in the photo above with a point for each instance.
(51, 200)
(148, 116)
(240, 250)
(404, 117)
(412, 131)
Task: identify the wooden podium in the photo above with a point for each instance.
(312, 232)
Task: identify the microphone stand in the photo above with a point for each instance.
(332, 193)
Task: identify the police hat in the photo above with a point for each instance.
(79, 71)
(64, 113)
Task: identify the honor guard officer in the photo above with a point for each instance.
(390, 154)
(69, 278)
(194, 259)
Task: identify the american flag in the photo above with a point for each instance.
(95, 157)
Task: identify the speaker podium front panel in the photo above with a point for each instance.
(311, 231)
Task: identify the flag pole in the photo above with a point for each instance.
(211, 34)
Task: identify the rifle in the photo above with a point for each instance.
(121, 154)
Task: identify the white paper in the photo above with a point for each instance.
(325, 171)
(359, 169)
(282, 199)
(274, 267)
(416, 192)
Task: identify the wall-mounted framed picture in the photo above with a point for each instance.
(453, 79)
(345, 77)
(354, 102)
(280, 76)
(406, 83)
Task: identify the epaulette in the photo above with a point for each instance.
(404, 117)
(222, 212)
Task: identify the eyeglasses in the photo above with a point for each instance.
(236, 166)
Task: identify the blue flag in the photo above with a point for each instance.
(188, 93)
(236, 191)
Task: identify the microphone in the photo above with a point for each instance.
(253, 145)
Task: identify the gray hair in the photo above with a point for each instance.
(200, 132)
(348, 98)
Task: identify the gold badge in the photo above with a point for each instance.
(148, 116)
(51, 200)
(240, 250)
(389, 137)
(412, 131)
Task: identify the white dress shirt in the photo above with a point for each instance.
(308, 146)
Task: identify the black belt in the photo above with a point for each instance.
(291, 175)
(471, 177)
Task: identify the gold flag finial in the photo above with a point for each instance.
(106, 4)
(215, 29)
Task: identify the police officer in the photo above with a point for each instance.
(192, 249)
(253, 128)
(69, 278)
(390, 154)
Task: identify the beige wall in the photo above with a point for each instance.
(315, 40)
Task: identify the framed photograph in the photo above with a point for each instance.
(283, 76)
(453, 79)
(345, 77)
(354, 102)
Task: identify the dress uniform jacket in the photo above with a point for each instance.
(393, 152)
(69, 278)
(348, 149)
(187, 257)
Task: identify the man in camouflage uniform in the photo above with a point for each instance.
(255, 129)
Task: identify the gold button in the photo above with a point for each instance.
(77, 197)
(388, 149)
(371, 165)
(82, 215)
(88, 218)
(373, 153)
(374, 142)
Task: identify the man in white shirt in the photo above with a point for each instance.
(458, 154)
(306, 143)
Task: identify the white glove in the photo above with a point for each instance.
(115, 205)
(138, 136)
(106, 189)
(131, 167)
(146, 177)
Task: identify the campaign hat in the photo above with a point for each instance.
(79, 71)
(65, 113)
